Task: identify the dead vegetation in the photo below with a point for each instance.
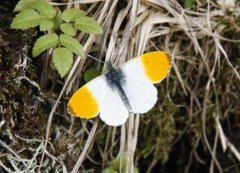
(193, 128)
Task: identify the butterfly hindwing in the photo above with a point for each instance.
(142, 95)
(113, 111)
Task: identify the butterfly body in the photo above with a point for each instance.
(123, 89)
(115, 78)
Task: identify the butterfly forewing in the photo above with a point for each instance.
(86, 101)
(152, 67)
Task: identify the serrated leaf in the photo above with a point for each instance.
(44, 8)
(62, 59)
(70, 14)
(43, 43)
(90, 74)
(46, 25)
(72, 44)
(26, 19)
(57, 20)
(23, 4)
(68, 29)
(88, 25)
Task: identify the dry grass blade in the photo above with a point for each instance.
(86, 147)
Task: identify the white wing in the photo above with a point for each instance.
(85, 102)
(134, 69)
(152, 67)
(141, 94)
(97, 97)
(140, 74)
(112, 110)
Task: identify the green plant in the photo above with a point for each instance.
(188, 3)
(114, 167)
(34, 13)
(90, 74)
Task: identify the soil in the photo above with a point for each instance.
(23, 107)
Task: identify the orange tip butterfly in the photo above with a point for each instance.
(122, 90)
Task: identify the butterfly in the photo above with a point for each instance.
(122, 90)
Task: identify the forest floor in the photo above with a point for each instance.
(195, 126)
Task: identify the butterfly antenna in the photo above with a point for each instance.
(96, 59)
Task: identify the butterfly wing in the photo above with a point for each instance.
(97, 97)
(140, 74)
(86, 101)
(152, 67)
(113, 111)
(142, 95)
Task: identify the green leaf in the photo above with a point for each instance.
(188, 3)
(72, 13)
(44, 8)
(109, 170)
(57, 20)
(116, 163)
(135, 170)
(62, 59)
(26, 19)
(23, 4)
(43, 43)
(72, 44)
(88, 25)
(68, 29)
(46, 25)
(90, 74)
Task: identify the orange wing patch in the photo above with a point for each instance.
(156, 65)
(83, 103)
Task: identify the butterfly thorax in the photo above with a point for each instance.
(116, 80)
(115, 76)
